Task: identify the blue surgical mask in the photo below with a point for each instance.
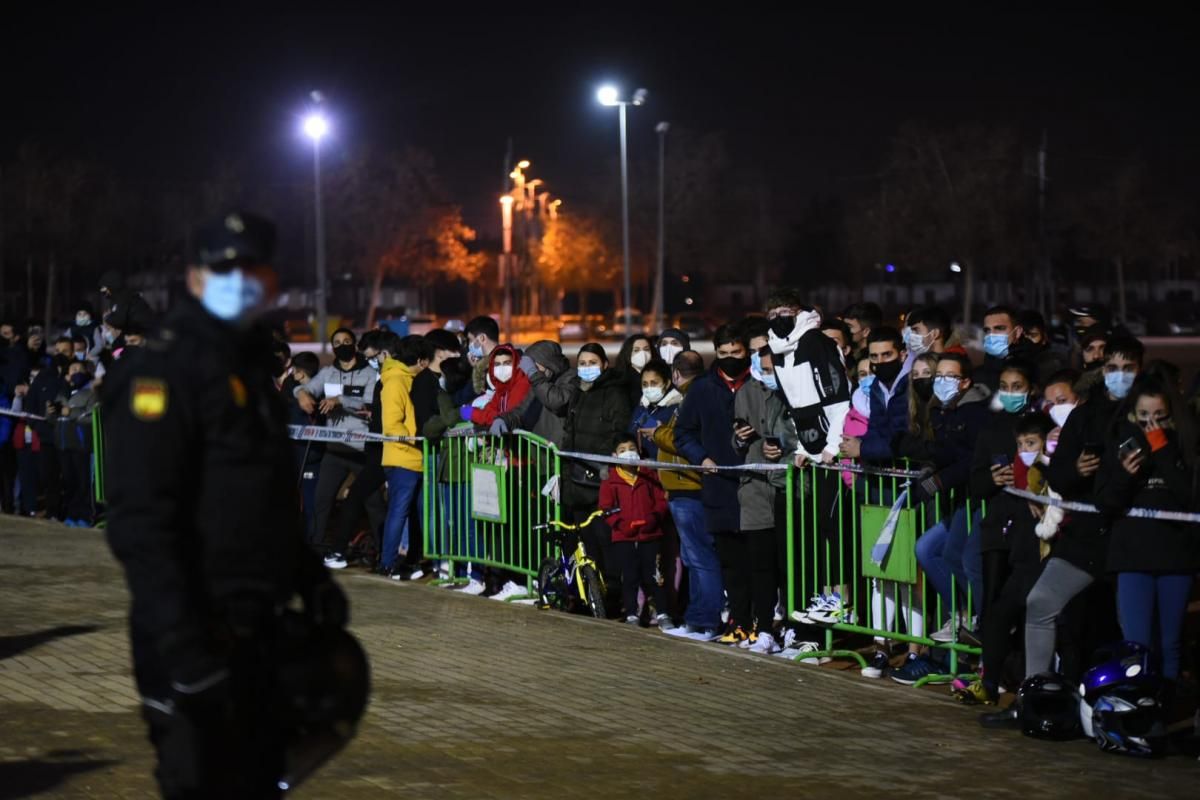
(231, 295)
(374, 362)
(475, 351)
(996, 345)
(769, 381)
(83, 320)
(865, 384)
(81, 356)
(1118, 383)
(109, 338)
(589, 374)
(1013, 402)
(945, 388)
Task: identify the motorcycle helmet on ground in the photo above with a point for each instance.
(1048, 707)
(324, 682)
(1129, 719)
(1117, 664)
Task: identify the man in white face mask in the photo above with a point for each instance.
(199, 462)
(671, 343)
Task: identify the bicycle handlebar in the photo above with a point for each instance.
(567, 526)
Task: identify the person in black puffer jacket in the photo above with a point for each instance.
(1149, 462)
(597, 415)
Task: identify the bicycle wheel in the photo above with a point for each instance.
(552, 585)
(591, 587)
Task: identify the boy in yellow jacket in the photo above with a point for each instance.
(401, 460)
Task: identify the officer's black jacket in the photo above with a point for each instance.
(201, 487)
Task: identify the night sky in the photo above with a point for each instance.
(810, 99)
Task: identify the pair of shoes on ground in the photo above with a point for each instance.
(826, 609)
(956, 631)
(77, 523)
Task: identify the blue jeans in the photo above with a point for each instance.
(402, 492)
(459, 536)
(699, 554)
(940, 554)
(1139, 596)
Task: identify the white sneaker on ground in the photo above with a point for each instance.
(833, 612)
(473, 587)
(766, 645)
(510, 589)
(335, 561)
(662, 620)
(811, 647)
(416, 574)
(946, 632)
(632, 619)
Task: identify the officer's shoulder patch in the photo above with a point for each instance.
(148, 399)
(239, 391)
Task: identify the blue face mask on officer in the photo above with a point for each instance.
(231, 295)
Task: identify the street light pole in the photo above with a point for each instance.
(315, 127)
(322, 311)
(625, 226)
(660, 272)
(609, 96)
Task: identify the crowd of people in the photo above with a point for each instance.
(697, 543)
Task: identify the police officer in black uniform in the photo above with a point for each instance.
(205, 518)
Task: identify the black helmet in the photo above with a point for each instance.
(1048, 707)
(1128, 718)
(324, 682)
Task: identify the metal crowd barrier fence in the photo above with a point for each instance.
(491, 491)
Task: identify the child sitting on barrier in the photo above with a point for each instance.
(637, 529)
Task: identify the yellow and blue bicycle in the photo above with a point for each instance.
(569, 582)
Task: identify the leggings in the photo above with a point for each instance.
(1059, 583)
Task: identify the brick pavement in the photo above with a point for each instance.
(478, 699)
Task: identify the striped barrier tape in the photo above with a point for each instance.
(1088, 508)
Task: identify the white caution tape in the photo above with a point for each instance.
(5, 412)
(1088, 508)
(319, 433)
(751, 467)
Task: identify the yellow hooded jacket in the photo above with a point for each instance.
(399, 416)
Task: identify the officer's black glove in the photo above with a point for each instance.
(926, 486)
(325, 604)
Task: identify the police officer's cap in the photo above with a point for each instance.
(235, 239)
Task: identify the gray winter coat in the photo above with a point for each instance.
(767, 414)
(358, 389)
(544, 410)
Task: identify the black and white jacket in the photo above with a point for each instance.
(812, 376)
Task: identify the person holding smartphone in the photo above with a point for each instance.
(1081, 550)
(1151, 463)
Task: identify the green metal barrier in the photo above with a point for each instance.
(97, 456)
(484, 496)
(832, 529)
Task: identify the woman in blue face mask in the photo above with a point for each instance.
(600, 411)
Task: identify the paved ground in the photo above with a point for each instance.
(477, 699)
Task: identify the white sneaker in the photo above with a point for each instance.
(946, 632)
(510, 589)
(663, 620)
(632, 619)
(818, 602)
(443, 574)
(833, 612)
(416, 573)
(473, 587)
(335, 561)
(811, 647)
(766, 645)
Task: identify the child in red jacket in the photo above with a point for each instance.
(637, 530)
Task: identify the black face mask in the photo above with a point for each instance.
(924, 388)
(733, 367)
(783, 325)
(344, 353)
(887, 372)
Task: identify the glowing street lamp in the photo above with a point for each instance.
(611, 96)
(316, 126)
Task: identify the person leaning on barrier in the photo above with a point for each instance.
(554, 385)
(402, 461)
(204, 518)
(889, 399)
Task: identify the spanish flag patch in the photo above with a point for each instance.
(148, 399)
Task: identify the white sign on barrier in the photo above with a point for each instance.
(487, 493)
